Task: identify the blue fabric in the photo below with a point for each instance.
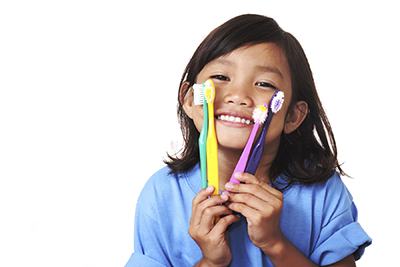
(320, 220)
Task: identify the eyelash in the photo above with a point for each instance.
(220, 77)
(265, 84)
(262, 84)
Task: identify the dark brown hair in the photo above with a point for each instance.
(307, 155)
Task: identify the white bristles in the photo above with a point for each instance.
(198, 93)
(260, 113)
(277, 101)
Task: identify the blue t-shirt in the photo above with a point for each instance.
(320, 220)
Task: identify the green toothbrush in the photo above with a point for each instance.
(199, 99)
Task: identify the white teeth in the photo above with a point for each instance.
(234, 119)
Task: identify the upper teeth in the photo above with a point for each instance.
(233, 119)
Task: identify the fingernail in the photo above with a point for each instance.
(224, 196)
(229, 186)
(226, 193)
(210, 188)
(238, 175)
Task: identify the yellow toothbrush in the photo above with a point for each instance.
(212, 145)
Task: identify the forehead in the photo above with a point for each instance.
(267, 57)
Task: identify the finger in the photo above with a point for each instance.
(199, 198)
(245, 210)
(199, 208)
(250, 189)
(248, 178)
(250, 200)
(203, 195)
(223, 223)
(253, 196)
(211, 213)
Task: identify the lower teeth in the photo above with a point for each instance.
(234, 119)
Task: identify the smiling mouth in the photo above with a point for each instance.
(234, 119)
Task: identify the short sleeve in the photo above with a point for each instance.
(138, 259)
(341, 235)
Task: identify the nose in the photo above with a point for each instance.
(238, 94)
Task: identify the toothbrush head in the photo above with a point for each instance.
(277, 101)
(209, 91)
(260, 113)
(198, 93)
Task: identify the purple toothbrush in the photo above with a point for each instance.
(259, 115)
(274, 106)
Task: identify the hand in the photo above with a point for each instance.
(262, 206)
(209, 237)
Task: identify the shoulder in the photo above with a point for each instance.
(333, 188)
(165, 182)
(336, 196)
(326, 199)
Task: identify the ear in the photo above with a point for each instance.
(187, 99)
(296, 116)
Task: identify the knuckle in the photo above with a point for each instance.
(192, 233)
(254, 189)
(280, 205)
(239, 207)
(258, 219)
(246, 197)
(207, 212)
(259, 182)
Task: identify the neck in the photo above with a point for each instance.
(228, 159)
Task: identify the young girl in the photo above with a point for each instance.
(295, 210)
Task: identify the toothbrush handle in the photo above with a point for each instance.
(212, 152)
(256, 154)
(212, 163)
(203, 147)
(241, 165)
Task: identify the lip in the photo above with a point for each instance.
(234, 114)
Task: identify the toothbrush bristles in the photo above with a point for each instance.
(198, 94)
(209, 90)
(277, 101)
(260, 113)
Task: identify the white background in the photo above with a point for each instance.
(87, 112)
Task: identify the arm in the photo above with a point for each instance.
(262, 206)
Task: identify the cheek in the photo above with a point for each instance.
(276, 127)
(198, 117)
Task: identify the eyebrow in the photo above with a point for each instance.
(269, 69)
(262, 68)
(223, 62)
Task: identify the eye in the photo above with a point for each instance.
(220, 77)
(265, 84)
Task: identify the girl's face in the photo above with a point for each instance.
(243, 79)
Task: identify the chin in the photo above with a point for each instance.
(232, 143)
(233, 139)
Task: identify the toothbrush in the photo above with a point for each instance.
(259, 115)
(199, 99)
(274, 106)
(212, 145)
